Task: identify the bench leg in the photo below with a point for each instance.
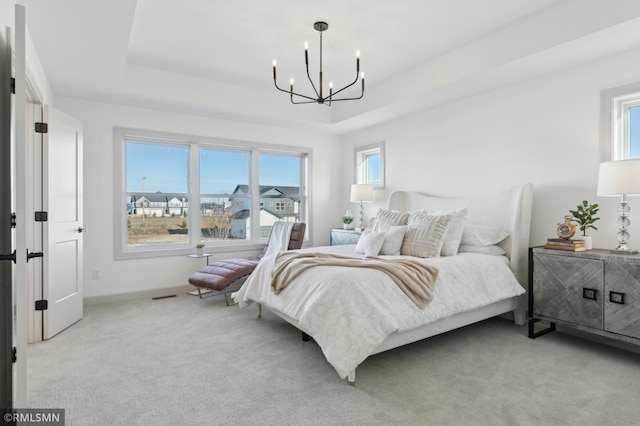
(229, 300)
(352, 377)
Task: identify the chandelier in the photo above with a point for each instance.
(319, 98)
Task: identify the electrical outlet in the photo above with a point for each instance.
(95, 274)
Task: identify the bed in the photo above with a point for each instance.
(353, 313)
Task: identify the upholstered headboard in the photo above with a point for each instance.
(509, 210)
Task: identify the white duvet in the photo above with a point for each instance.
(350, 311)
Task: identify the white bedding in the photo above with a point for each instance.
(350, 311)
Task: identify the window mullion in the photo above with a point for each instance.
(194, 195)
(255, 196)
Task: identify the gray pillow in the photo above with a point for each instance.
(425, 234)
(454, 231)
(386, 218)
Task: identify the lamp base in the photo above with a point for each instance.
(623, 250)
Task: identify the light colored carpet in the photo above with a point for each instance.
(189, 361)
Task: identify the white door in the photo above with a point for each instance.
(64, 229)
(20, 202)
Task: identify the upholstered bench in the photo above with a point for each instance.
(219, 275)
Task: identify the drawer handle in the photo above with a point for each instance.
(590, 293)
(615, 297)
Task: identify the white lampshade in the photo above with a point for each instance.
(617, 178)
(361, 193)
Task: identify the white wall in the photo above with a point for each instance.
(125, 276)
(544, 131)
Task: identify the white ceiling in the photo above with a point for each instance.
(213, 57)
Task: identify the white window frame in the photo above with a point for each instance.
(360, 154)
(123, 251)
(615, 125)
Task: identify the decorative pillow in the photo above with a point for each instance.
(425, 235)
(393, 240)
(386, 218)
(493, 250)
(454, 230)
(370, 242)
(482, 235)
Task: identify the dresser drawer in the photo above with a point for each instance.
(569, 289)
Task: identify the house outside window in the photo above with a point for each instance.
(160, 176)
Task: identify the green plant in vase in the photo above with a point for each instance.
(346, 220)
(585, 216)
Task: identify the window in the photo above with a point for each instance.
(156, 193)
(173, 192)
(224, 217)
(369, 164)
(621, 123)
(280, 179)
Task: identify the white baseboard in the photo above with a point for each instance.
(136, 295)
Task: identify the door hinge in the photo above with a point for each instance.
(14, 220)
(41, 216)
(42, 305)
(14, 354)
(11, 256)
(31, 254)
(42, 128)
(13, 86)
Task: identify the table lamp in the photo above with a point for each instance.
(361, 193)
(620, 178)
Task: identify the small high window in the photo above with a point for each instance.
(369, 164)
(621, 123)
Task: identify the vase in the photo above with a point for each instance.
(347, 226)
(199, 251)
(588, 241)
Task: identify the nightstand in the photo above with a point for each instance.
(593, 291)
(340, 236)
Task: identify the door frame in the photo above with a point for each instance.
(35, 202)
(6, 231)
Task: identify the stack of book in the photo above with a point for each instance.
(562, 244)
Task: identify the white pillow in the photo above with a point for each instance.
(425, 235)
(454, 231)
(482, 235)
(493, 250)
(393, 240)
(386, 218)
(370, 242)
